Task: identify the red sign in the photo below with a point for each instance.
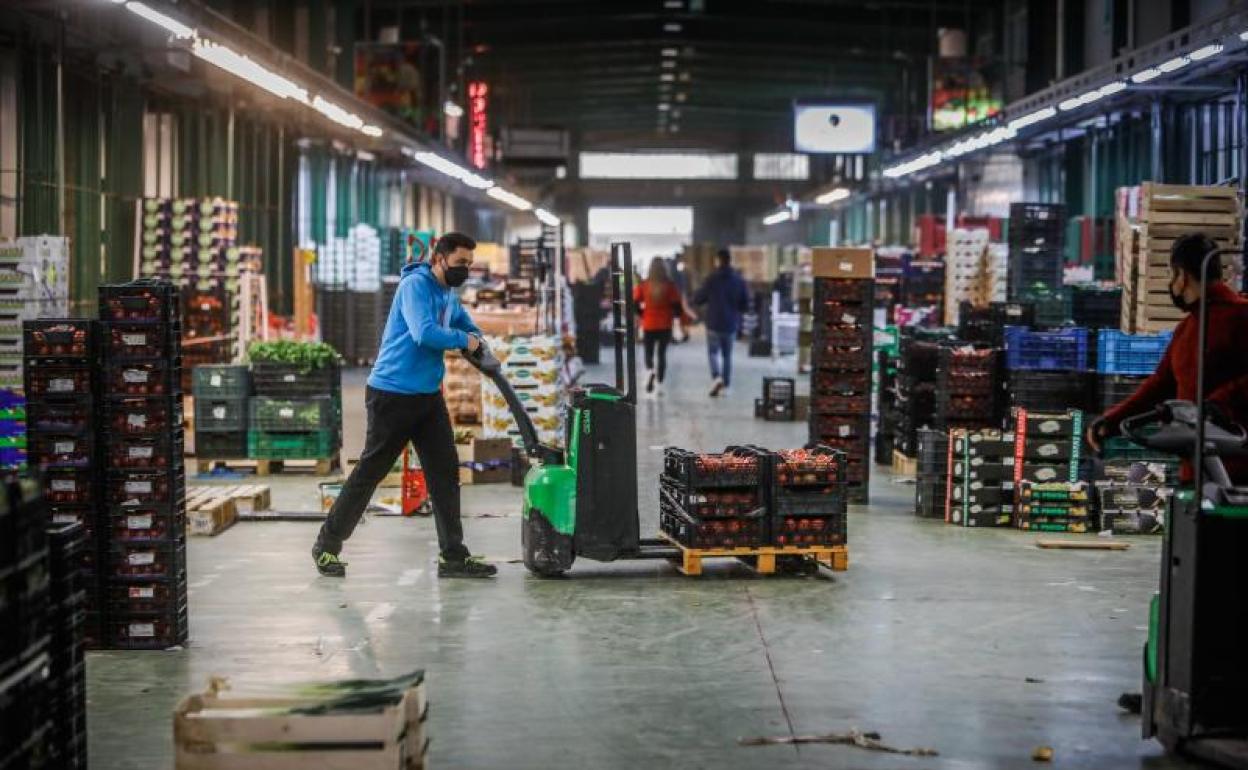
(478, 94)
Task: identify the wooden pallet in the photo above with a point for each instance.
(209, 512)
(904, 465)
(215, 731)
(248, 498)
(267, 467)
(761, 559)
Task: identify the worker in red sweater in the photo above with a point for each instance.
(1226, 352)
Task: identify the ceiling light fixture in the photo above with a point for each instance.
(1200, 54)
(1030, 119)
(510, 198)
(832, 196)
(778, 217)
(171, 25)
(1145, 75)
(1112, 88)
(546, 217)
(243, 67)
(1177, 63)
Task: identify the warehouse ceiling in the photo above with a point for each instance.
(708, 73)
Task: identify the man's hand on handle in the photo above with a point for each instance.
(474, 343)
(1096, 434)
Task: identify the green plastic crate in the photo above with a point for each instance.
(315, 445)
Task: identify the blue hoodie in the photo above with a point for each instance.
(425, 320)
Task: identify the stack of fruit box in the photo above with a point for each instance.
(221, 393)
(34, 283)
(714, 500)
(1049, 495)
(807, 497)
(462, 389)
(840, 381)
(532, 365)
(980, 482)
(62, 407)
(968, 388)
(1150, 218)
(963, 269)
(145, 482)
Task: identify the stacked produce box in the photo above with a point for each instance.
(34, 283)
(963, 269)
(532, 366)
(296, 412)
(145, 482)
(67, 709)
(461, 387)
(923, 288)
(714, 500)
(1037, 258)
(1048, 369)
(980, 481)
(27, 679)
(915, 401)
(221, 413)
(804, 293)
(1132, 497)
(208, 312)
(840, 386)
(1150, 218)
(1050, 495)
(807, 501)
(931, 474)
(62, 410)
(993, 283)
(968, 388)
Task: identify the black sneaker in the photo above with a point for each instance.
(471, 567)
(650, 383)
(328, 564)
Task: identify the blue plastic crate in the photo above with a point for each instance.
(12, 458)
(1065, 349)
(1121, 353)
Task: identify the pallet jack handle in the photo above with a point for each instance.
(623, 324)
(485, 362)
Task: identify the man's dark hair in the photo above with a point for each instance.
(448, 243)
(1190, 250)
(723, 258)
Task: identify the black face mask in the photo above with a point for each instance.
(455, 275)
(1178, 300)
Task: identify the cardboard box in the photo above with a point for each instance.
(484, 461)
(843, 263)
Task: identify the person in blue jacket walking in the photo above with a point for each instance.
(404, 402)
(726, 297)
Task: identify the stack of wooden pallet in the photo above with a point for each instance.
(1149, 219)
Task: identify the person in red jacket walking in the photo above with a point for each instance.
(659, 302)
(1226, 352)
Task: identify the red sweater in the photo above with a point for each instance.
(659, 306)
(1226, 370)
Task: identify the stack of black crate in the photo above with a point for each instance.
(987, 325)
(916, 388)
(221, 392)
(840, 380)
(25, 642)
(931, 474)
(714, 500)
(886, 431)
(60, 369)
(968, 388)
(68, 702)
(1037, 259)
(807, 497)
(981, 478)
(145, 482)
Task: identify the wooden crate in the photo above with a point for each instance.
(761, 559)
(213, 731)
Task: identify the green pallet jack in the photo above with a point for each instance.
(583, 502)
(1195, 696)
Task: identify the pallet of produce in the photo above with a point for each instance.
(762, 559)
(357, 724)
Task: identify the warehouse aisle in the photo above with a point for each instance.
(973, 643)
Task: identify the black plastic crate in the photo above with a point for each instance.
(221, 415)
(840, 358)
(933, 453)
(221, 381)
(833, 382)
(1056, 424)
(834, 313)
(221, 445)
(1111, 390)
(130, 341)
(1049, 391)
(153, 302)
(63, 338)
(844, 291)
(154, 452)
(147, 523)
(929, 498)
(1095, 307)
(734, 467)
(714, 533)
(712, 503)
(73, 416)
(144, 415)
(843, 427)
(70, 486)
(148, 632)
(59, 379)
(289, 380)
(809, 501)
(50, 450)
(804, 531)
(840, 403)
(143, 378)
(141, 561)
(153, 597)
(142, 488)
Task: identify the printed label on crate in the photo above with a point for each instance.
(64, 518)
(140, 451)
(139, 487)
(136, 420)
(288, 378)
(141, 558)
(64, 485)
(61, 385)
(134, 339)
(286, 412)
(139, 521)
(849, 319)
(142, 592)
(215, 380)
(218, 412)
(63, 447)
(142, 630)
(1046, 474)
(845, 430)
(134, 375)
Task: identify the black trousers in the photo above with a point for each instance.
(393, 420)
(660, 339)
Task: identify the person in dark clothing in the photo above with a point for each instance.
(404, 403)
(1226, 352)
(726, 297)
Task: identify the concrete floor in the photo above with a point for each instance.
(971, 642)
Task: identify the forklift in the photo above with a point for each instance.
(583, 502)
(1195, 672)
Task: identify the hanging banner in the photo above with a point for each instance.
(478, 124)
